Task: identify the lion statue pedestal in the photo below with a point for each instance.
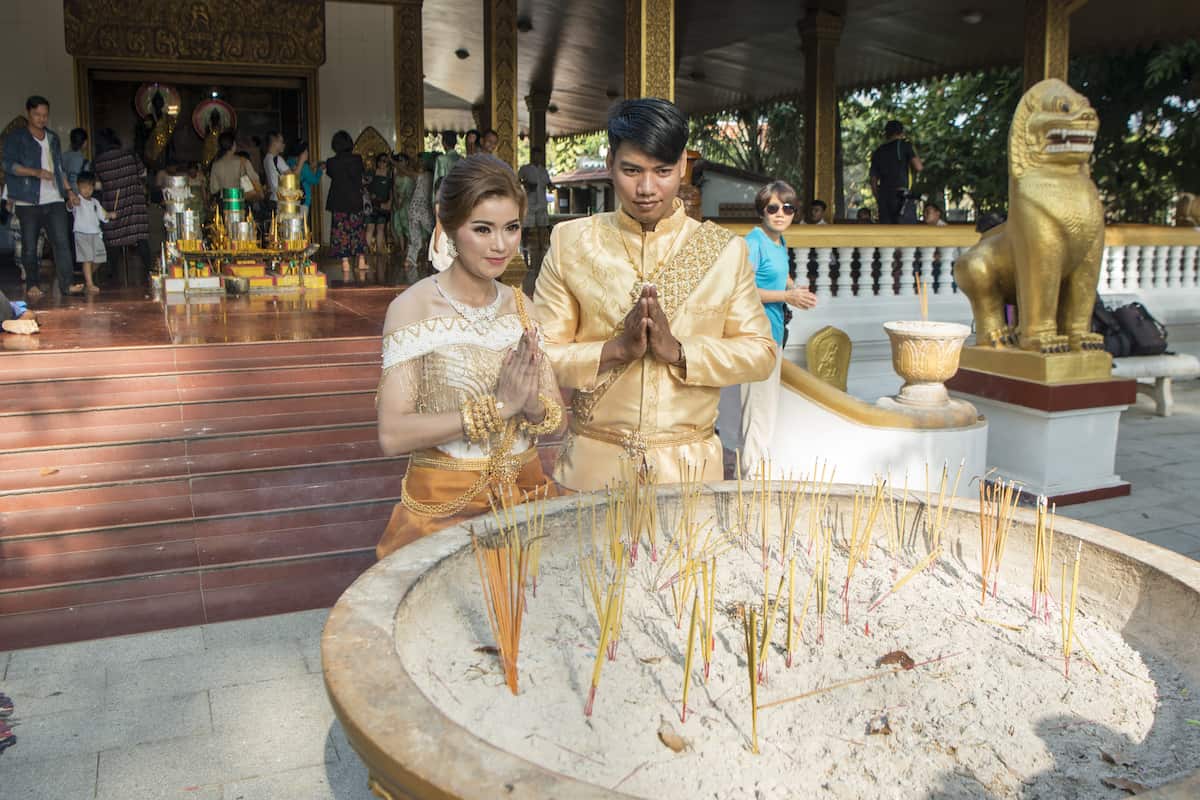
(1045, 383)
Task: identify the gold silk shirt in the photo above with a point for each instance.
(589, 281)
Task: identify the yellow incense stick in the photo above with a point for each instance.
(687, 661)
(751, 631)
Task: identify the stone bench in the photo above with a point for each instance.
(1161, 370)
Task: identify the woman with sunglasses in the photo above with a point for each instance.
(776, 207)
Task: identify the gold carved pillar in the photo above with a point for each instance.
(1048, 39)
(500, 74)
(537, 102)
(410, 77)
(650, 49)
(820, 32)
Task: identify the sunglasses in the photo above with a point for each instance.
(788, 208)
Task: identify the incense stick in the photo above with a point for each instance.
(751, 632)
(854, 681)
(503, 567)
(687, 660)
(1067, 610)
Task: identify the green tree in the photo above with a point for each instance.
(564, 152)
(1149, 142)
(766, 139)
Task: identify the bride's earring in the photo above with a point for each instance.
(451, 250)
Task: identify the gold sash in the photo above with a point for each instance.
(675, 283)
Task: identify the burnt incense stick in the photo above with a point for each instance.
(854, 681)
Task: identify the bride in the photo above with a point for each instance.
(466, 388)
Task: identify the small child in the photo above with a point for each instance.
(89, 243)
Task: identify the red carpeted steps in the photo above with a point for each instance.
(149, 487)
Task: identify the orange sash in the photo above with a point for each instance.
(431, 485)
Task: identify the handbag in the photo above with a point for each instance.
(1117, 342)
(1149, 336)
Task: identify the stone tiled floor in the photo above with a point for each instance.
(238, 711)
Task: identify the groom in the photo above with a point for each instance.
(647, 314)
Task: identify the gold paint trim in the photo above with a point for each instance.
(804, 383)
(1051, 368)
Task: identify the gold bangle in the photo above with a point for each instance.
(550, 422)
(492, 421)
(467, 422)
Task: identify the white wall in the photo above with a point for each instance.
(718, 188)
(357, 82)
(35, 61)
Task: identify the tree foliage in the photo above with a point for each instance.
(565, 152)
(767, 139)
(1148, 149)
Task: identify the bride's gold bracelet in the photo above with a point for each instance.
(550, 423)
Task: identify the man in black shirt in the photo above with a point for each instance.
(890, 164)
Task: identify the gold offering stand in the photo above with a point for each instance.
(245, 264)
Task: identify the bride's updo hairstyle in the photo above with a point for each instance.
(472, 180)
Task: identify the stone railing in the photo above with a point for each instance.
(865, 275)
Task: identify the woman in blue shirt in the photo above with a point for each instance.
(776, 207)
(309, 177)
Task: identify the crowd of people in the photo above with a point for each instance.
(80, 211)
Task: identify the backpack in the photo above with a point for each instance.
(1116, 340)
(1148, 335)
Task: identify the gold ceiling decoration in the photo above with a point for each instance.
(222, 31)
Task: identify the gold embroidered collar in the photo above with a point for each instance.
(669, 224)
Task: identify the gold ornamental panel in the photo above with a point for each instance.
(500, 26)
(213, 31)
(650, 49)
(410, 82)
(828, 355)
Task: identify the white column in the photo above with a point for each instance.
(907, 284)
(1106, 266)
(1175, 268)
(887, 257)
(924, 262)
(1160, 265)
(1116, 273)
(1189, 265)
(824, 279)
(1133, 269)
(946, 279)
(856, 255)
(841, 283)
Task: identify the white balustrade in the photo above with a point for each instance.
(824, 278)
(907, 284)
(924, 266)
(887, 262)
(1116, 269)
(945, 284)
(1106, 266)
(1159, 254)
(1190, 265)
(857, 254)
(1137, 270)
(1175, 268)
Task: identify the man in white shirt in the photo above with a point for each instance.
(274, 164)
(536, 233)
(37, 184)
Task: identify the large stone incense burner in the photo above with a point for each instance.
(917, 678)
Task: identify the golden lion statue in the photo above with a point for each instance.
(1046, 257)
